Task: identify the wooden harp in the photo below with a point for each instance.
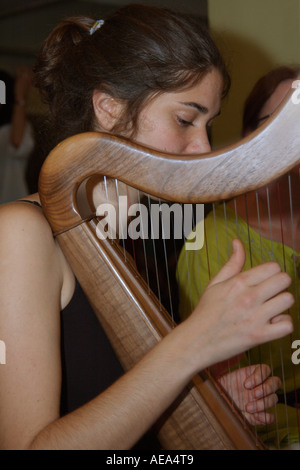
(202, 417)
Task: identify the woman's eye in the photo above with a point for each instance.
(183, 122)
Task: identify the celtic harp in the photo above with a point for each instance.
(203, 416)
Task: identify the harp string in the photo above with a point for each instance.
(294, 250)
(284, 260)
(157, 288)
(130, 227)
(122, 222)
(260, 250)
(166, 263)
(283, 364)
(270, 237)
(162, 263)
(237, 367)
(147, 278)
(228, 250)
(262, 260)
(262, 217)
(230, 367)
(296, 293)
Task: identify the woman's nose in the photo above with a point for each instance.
(198, 144)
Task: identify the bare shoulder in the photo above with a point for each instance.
(24, 216)
(23, 228)
(27, 245)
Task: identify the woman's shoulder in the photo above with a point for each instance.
(27, 240)
(25, 234)
(23, 218)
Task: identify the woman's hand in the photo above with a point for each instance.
(240, 310)
(253, 391)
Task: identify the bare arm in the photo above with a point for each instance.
(30, 288)
(29, 314)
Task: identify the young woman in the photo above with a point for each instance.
(156, 77)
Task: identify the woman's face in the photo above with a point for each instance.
(177, 122)
(274, 101)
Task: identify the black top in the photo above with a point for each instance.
(89, 364)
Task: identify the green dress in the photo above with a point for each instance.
(196, 268)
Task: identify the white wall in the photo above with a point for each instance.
(256, 36)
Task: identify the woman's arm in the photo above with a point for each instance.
(235, 313)
(31, 283)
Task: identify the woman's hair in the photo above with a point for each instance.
(138, 52)
(261, 92)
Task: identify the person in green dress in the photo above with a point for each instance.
(267, 222)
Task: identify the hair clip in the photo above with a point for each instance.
(96, 25)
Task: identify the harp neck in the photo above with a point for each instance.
(252, 163)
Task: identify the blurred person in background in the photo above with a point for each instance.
(16, 135)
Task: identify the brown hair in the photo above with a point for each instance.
(261, 92)
(138, 52)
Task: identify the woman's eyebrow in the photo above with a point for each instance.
(199, 107)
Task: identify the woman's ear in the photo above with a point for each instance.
(107, 109)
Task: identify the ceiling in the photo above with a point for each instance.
(13, 7)
(24, 24)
